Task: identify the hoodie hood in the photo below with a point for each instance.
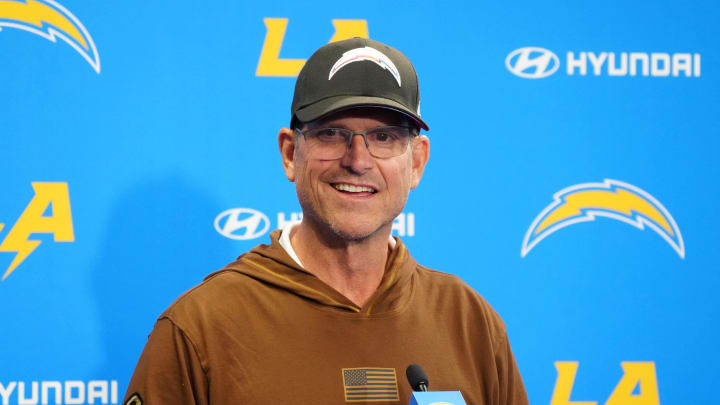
(272, 265)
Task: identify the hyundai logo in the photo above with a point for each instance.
(242, 223)
(532, 62)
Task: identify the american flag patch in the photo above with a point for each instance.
(370, 384)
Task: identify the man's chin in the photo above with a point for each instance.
(355, 232)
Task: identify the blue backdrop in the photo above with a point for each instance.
(572, 179)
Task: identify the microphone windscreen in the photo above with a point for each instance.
(416, 376)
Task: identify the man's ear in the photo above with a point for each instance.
(287, 144)
(420, 156)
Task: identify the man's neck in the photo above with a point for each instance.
(353, 268)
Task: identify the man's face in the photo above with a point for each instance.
(357, 195)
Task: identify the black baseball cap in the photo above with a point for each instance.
(356, 72)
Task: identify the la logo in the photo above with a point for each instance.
(33, 220)
(638, 374)
(271, 64)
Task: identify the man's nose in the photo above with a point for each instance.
(357, 157)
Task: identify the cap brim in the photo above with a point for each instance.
(337, 103)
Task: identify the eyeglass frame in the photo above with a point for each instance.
(412, 133)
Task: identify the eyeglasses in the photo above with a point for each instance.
(382, 142)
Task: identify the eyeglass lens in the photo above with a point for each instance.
(382, 142)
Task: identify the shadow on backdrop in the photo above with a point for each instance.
(160, 242)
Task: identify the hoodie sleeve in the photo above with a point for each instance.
(512, 389)
(169, 370)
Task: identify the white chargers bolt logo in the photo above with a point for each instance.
(532, 62)
(254, 223)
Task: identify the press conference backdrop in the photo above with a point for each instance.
(572, 179)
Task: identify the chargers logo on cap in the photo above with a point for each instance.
(49, 20)
(366, 53)
(611, 199)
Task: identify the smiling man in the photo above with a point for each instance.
(335, 308)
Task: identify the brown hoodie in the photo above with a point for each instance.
(264, 331)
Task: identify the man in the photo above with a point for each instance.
(334, 309)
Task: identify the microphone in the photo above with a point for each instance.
(417, 378)
(419, 382)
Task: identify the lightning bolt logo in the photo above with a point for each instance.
(369, 54)
(50, 20)
(34, 220)
(611, 199)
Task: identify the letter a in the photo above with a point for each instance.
(32, 221)
(564, 384)
(636, 373)
(346, 29)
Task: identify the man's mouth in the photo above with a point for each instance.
(349, 188)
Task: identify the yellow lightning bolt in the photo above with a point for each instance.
(621, 201)
(32, 221)
(23, 248)
(35, 13)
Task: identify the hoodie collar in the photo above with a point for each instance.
(272, 265)
(284, 241)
